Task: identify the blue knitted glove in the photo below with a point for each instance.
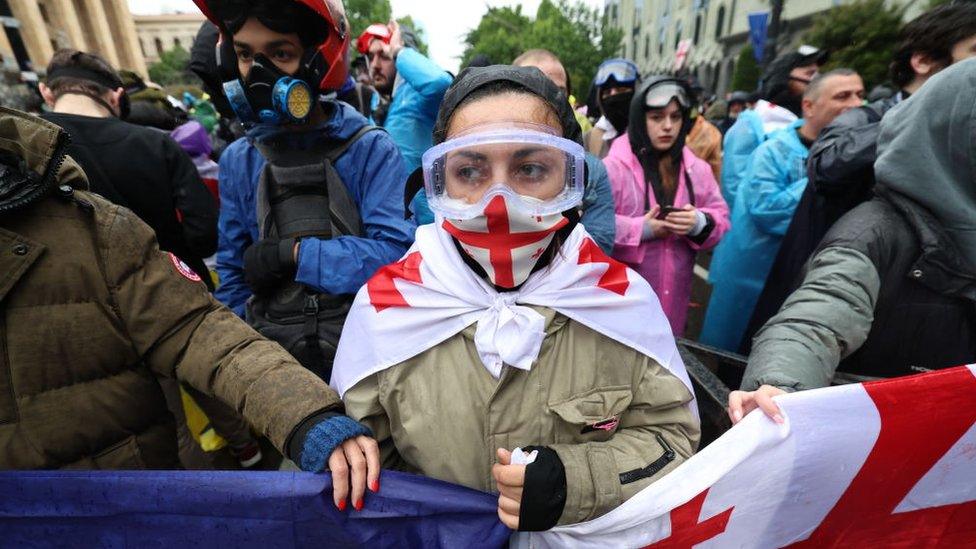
(325, 437)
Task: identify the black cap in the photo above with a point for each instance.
(532, 79)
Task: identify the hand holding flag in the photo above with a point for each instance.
(510, 480)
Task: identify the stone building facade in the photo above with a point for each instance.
(717, 31)
(32, 30)
(159, 33)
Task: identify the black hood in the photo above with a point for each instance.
(530, 78)
(927, 153)
(775, 80)
(640, 141)
(203, 63)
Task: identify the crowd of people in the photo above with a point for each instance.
(378, 264)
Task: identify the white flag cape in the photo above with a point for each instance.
(431, 295)
(883, 464)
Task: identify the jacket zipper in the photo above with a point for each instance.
(655, 466)
(53, 167)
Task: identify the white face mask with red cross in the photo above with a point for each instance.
(506, 240)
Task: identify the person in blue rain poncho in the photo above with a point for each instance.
(764, 207)
(783, 85)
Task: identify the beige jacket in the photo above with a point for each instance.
(443, 415)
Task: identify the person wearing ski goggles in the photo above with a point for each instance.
(615, 82)
(504, 305)
(667, 201)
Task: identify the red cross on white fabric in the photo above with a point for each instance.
(500, 241)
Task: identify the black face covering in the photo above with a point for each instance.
(260, 81)
(617, 109)
(788, 101)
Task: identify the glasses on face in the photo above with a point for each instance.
(541, 172)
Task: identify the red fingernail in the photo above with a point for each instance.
(375, 486)
(342, 505)
(359, 505)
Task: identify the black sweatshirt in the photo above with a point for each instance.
(146, 171)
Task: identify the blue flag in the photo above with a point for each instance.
(758, 22)
(170, 509)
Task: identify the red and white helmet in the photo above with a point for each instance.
(373, 32)
(330, 68)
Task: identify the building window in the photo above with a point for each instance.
(159, 47)
(720, 22)
(698, 21)
(44, 15)
(647, 46)
(731, 16)
(177, 43)
(677, 33)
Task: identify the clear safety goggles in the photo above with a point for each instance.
(659, 96)
(539, 172)
(621, 70)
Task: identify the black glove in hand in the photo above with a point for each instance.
(544, 494)
(268, 263)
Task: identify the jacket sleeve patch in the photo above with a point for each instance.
(184, 269)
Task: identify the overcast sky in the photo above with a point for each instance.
(445, 23)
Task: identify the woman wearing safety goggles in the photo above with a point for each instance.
(506, 352)
(667, 200)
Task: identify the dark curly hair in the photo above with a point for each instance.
(933, 33)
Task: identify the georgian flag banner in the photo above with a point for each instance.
(883, 464)
(431, 295)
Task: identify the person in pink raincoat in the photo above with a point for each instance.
(668, 204)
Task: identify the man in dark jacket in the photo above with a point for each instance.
(82, 353)
(841, 162)
(136, 167)
(891, 290)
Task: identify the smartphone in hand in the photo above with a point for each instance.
(665, 210)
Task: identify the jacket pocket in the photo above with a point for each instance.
(8, 399)
(591, 416)
(121, 455)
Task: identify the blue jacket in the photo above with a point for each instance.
(599, 216)
(416, 100)
(764, 207)
(598, 213)
(737, 146)
(374, 174)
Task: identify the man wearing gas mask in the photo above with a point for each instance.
(311, 196)
(615, 82)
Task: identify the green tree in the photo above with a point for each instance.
(746, 75)
(500, 35)
(860, 36)
(172, 68)
(578, 34)
(418, 32)
(363, 13)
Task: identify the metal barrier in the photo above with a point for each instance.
(702, 363)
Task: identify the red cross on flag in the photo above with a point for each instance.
(883, 464)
